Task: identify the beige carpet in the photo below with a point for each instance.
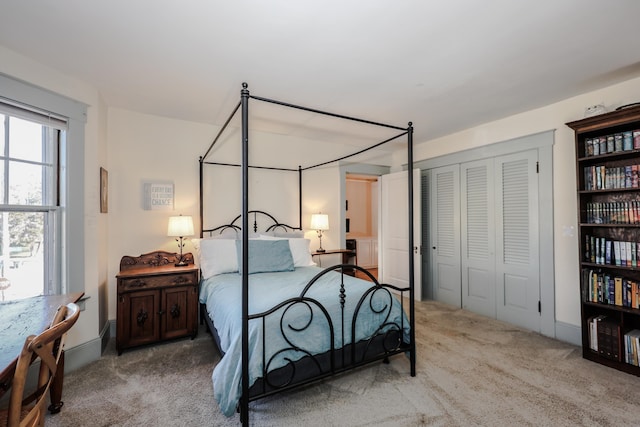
(471, 371)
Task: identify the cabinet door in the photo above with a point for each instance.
(179, 310)
(143, 326)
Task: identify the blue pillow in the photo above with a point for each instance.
(266, 256)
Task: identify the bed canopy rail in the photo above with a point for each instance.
(243, 106)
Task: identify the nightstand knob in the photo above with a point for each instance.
(175, 311)
(142, 317)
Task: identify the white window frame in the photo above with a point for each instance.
(71, 216)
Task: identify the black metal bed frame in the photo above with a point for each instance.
(289, 376)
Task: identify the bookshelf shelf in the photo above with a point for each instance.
(608, 191)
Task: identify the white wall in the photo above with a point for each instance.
(553, 116)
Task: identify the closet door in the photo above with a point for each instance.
(517, 242)
(445, 234)
(478, 237)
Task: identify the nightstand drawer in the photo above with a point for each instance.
(149, 282)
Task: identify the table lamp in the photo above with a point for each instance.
(320, 223)
(180, 227)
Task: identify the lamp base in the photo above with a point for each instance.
(320, 250)
(181, 264)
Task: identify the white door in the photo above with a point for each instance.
(394, 231)
(445, 234)
(478, 237)
(517, 243)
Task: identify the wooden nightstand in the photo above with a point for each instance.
(157, 301)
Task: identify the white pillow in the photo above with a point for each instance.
(299, 250)
(216, 256)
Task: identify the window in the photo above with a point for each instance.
(63, 214)
(30, 237)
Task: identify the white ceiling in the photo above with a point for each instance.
(445, 65)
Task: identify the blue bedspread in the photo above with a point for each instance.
(222, 295)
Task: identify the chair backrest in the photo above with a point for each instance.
(46, 347)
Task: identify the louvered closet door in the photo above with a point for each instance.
(478, 237)
(427, 288)
(517, 247)
(445, 234)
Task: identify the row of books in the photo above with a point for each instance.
(599, 250)
(623, 141)
(613, 212)
(632, 347)
(604, 336)
(605, 288)
(611, 178)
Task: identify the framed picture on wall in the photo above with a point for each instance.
(104, 190)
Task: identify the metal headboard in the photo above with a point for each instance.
(275, 224)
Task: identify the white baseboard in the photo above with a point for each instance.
(569, 333)
(90, 351)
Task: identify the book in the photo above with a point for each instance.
(609, 338)
(636, 139)
(618, 291)
(593, 331)
(628, 253)
(602, 141)
(603, 144)
(632, 339)
(587, 248)
(612, 290)
(616, 252)
(627, 141)
(617, 138)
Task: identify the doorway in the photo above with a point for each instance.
(361, 218)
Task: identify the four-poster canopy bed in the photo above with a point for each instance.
(279, 321)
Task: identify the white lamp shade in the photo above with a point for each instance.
(180, 226)
(320, 222)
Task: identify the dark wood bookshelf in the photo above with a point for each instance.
(587, 131)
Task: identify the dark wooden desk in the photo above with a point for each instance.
(18, 320)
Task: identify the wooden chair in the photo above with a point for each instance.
(29, 409)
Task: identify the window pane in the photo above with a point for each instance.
(21, 259)
(25, 140)
(2, 195)
(2, 135)
(26, 183)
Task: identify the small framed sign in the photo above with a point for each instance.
(158, 196)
